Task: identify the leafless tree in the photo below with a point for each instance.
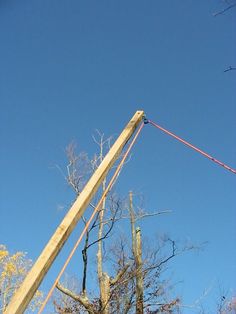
(129, 277)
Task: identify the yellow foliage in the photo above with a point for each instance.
(13, 269)
(3, 254)
(10, 269)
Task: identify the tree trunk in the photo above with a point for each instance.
(137, 253)
(103, 278)
(105, 293)
(139, 274)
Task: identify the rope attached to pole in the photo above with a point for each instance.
(192, 146)
(107, 190)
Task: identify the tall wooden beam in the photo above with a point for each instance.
(32, 281)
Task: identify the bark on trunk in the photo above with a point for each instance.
(137, 253)
(105, 293)
(139, 274)
(103, 278)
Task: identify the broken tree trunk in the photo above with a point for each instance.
(137, 253)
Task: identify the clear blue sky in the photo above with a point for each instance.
(70, 67)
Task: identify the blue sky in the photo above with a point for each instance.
(70, 67)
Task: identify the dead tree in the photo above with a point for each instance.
(133, 281)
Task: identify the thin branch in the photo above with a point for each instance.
(225, 9)
(141, 216)
(119, 275)
(230, 68)
(169, 257)
(108, 231)
(173, 254)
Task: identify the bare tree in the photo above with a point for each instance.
(129, 278)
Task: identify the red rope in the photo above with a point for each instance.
(193, 147)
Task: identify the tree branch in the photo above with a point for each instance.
(83, 300)
(119, 275)
(225, 9)
(230, 68)
(108, 231)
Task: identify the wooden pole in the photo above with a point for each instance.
(32, 281)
